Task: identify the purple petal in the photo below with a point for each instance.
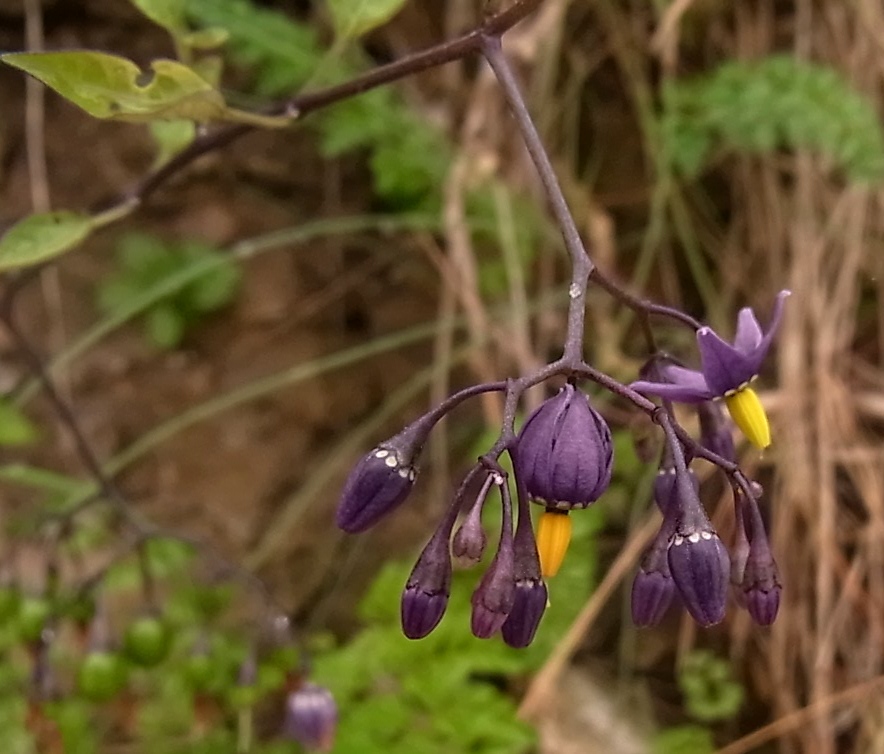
(724, 367)
(756, 356)
(749, 333)
(691, 387)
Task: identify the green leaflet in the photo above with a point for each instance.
(353, 18)
(775, 103)
(41, 237)
(38, 238)
(167, 13)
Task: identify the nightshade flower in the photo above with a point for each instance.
(727, 371)
(564, 457)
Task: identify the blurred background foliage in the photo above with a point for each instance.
(234, 346)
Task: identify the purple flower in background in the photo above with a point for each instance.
(311, 717)
(727, 371)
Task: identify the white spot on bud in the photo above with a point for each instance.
(677, 540)
(381, 453)
(404, 473)
(706, 534)
(694, 537)
(392, 462)
(574, 291)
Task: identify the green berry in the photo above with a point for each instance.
(10, 602)
(198, 670)
(147, 641)
(101, 676)
(32, 616)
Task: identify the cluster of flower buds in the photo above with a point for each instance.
(562, 460)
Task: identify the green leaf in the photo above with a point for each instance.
(44, 479)
(775, 103)
(171, 136)
(353, 18)
(284, 52)
(111, 87)
(166, 13)
(41, 237)
(15, 427)
(207, 39)
(216, 288)
(166, 326)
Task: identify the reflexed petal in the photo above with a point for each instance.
(749, 334)
(748, 414)
(756, 357)
(724, 367)
(694, 392)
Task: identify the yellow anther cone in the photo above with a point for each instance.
(748, 414)
(553, 537)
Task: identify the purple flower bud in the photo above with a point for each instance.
(665, 487)
(529, 604)
(652, 593)
(426, 592)
(493, 599)
(653, 588)
(377, 485)
(311, 717)
(716, 430)
(470, 540)
(531, 595)
(761, 582)
(700, 568)
(564, 452)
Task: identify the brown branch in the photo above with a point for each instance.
(307, 102)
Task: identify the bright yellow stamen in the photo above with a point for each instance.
(748, 414)
(553, 536)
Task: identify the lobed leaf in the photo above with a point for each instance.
(112, 87)
(109, 86)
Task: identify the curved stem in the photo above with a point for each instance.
(581, 264)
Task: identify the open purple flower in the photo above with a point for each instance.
(727, 371)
